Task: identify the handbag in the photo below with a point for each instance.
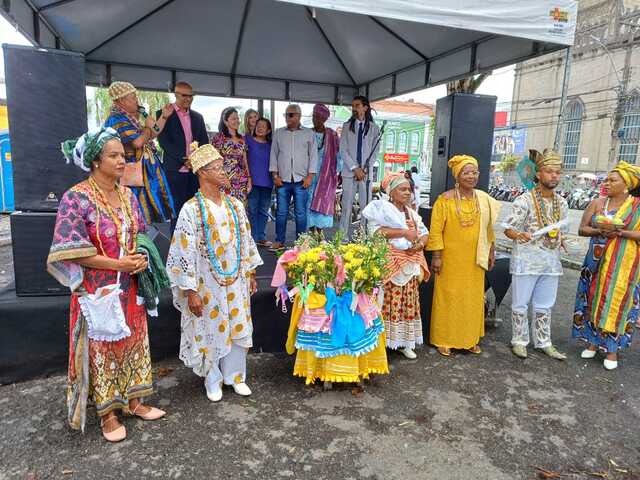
(132, 176)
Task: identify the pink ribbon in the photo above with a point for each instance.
(280, 274)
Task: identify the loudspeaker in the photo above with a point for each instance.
(464, 125)
(47, 104)
(31, 235)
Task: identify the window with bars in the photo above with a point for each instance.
(390, 142)
(404, 140)
(572, 129)
(415, 143)
(630, 137)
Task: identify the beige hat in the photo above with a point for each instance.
(201, 156)
(120, 89)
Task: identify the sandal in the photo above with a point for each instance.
(264, 243)
(444, 351)
(116, 435)
(153, 413)
(476, 350)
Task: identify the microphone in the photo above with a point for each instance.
(142, 111)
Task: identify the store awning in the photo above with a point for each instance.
(302, 50)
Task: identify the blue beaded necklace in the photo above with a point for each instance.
(213, 259)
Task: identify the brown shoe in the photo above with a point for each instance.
(276, 246)
(264, 243)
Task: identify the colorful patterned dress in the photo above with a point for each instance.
(155, 196)
(234, 164)
(608, 295)
(109, 373)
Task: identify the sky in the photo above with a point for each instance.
(499, 84)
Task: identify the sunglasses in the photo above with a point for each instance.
(185, 95)
(291, 114)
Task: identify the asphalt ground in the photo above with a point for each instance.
(488, 416)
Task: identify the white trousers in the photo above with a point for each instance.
(230, 369)
(350, 186)
(540, 291)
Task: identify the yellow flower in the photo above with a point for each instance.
(313, 279)
(375, 271)
(360, 274)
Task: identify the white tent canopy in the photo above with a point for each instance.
(303, 50)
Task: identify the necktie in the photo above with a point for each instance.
(359, 154)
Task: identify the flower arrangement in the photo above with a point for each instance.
(315, 264)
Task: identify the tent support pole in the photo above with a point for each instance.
(563, 97)
(236, 54)
(129, 27)
(333, 49)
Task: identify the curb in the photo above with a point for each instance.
(505, 247)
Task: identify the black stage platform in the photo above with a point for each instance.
(34, 340)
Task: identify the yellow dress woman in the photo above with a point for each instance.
(462, 241)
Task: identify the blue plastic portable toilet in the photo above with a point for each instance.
(6, 174)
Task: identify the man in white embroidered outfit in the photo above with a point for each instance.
(211, 266)
(536, 223)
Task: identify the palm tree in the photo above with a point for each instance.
(101, 103)
(467, 85)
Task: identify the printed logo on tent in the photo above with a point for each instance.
(559, 15)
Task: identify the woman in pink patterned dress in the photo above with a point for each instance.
(233, 149)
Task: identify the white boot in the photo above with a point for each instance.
(242, 389)
(610, 364)
(409, 353)
(213, 387)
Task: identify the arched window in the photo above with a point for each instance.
(402, 144)
(630, 134)
(390, 142)
(572, 129)
(415, 143)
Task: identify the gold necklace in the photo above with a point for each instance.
(466, 217)
(543, 219)
(99, 197)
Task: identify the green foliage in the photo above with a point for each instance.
(100, 106)
(508, 163)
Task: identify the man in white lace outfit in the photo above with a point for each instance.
(211, 266)
(536, 223)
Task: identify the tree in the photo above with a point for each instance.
(467, 85)
(508, 163)
(101, 104)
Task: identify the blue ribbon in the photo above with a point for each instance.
(347, 327)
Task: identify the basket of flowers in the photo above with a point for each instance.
(334, 289)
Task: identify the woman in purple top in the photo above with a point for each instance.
(259, 148)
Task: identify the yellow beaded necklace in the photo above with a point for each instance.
(132, 225)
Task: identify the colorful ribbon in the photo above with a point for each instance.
(347, 327)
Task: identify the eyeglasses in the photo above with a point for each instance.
(470, 174)
(291, 114)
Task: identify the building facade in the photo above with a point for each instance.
(601, 120)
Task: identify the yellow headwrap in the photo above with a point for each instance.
(548, 158)
(393, 180)
(629, 173)
(458, 162)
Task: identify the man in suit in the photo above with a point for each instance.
(359, 149)
(183, 127)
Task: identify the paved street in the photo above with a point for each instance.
(489, 417)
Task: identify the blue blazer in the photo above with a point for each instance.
(171, 139)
